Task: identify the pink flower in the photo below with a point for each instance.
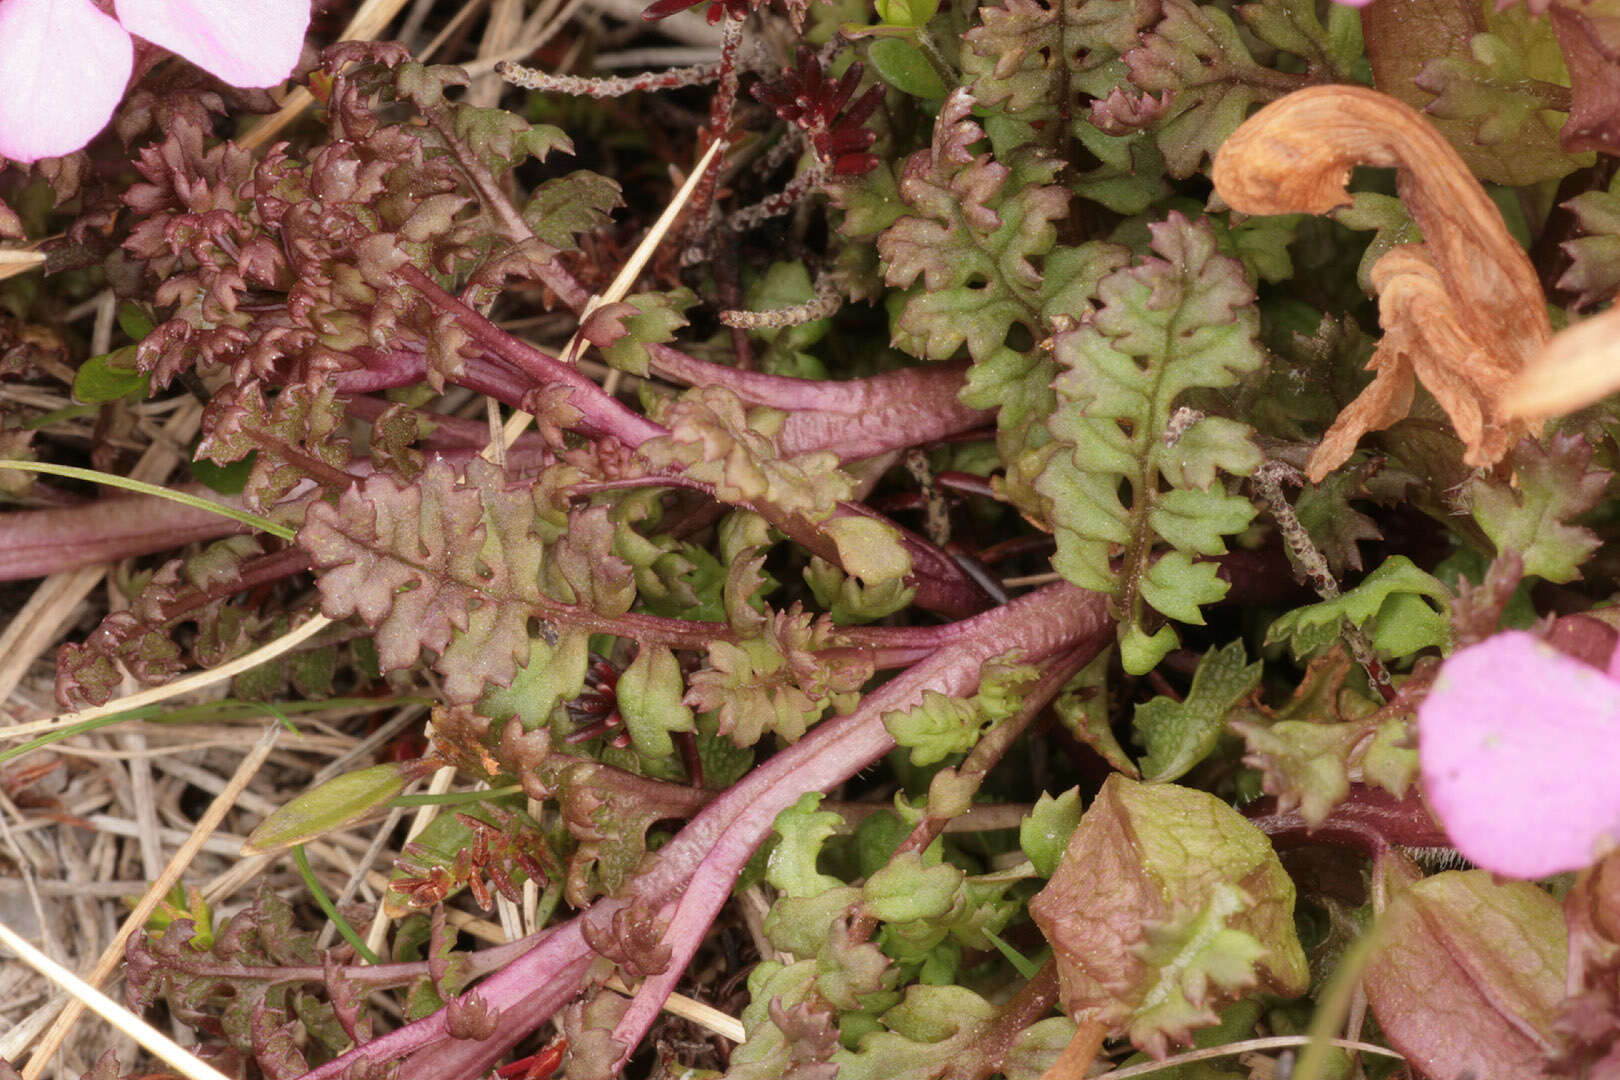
(1520, 747)
(64, 64)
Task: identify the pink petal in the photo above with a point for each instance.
(63, 68)
(1520, 745)
(245, 44)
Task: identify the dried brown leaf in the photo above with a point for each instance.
(1462, 312)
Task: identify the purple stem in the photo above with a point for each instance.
(604, 412)
(858, 418)
(700, 865)
(724, 837)
(1368, 819)
(451, 434)
(34, 543)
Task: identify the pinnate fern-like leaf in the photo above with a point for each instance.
(776, 682)
(1033, 59)
(457, 564)
(713, 438)
(978, 227)
(978, 256)
(1182, 320)
(1196, 56)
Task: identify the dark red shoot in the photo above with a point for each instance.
(825, 112)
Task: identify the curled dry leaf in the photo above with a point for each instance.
(1462, 311)
(1579, 366)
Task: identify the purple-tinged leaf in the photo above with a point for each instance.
(1469, 976)
(1554, 482)
(1165, 904)
(448, 565)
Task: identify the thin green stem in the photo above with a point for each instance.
(324, 902)
(455, 798)
(199, 714)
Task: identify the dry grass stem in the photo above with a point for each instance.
(113, 955)
(1247, 1046)
(14, 261)
(519, 421)
(201, 680)
(58, 596)
(159, 1044)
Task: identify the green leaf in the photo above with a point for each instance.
(338, 802)
(1304, 764)
(566, 207)
(1330, 52)
(649, 694)
(907, 13)
(308, 423)
(936, 727)
(1178, 735)
(1039, 60)
(646, 319)
(869, 548)
(1167, 903)
(1191, 958)
(976, 228)
(801, 830)
(786, 349)
(849, 600)
(906, 889)
(1555, 484)
(776, 682)
(225, 479)
(1082, 707)
(1401, 625)
(1182, 320)
(1487, 85)
(932, 1033)
(1045, 832)
(903, 66)
(940, 726)
(1196, 56)
(1307, 750)
(110, 377)
(1131, 176)
(1334, 525)
(1594, 269)
(134, 320)
(970, 239)
(553, 673)
(714, 439)
(1390, 223)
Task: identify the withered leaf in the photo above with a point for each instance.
(1463, 311)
